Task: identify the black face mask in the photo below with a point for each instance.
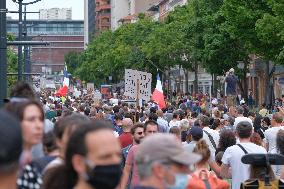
(104, 176)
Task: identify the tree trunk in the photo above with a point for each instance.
(179, 80)
(186, 79)
(212, 85)
(215, 85)
(196, 77)
(169, 84)
(245, 92)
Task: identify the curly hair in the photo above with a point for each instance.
(227, 139)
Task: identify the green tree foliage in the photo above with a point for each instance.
(214, 34)
(12, 63)
(73, 60)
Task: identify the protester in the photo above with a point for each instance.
(209, 135)
(195, 134)
(231, 80)
(240, 117)
(271, 133)
(201, 173)
(137, 132)
(162, 123)
(277, 169)
(263, 111)
(118, 123)
(176, 132)
(163, 163)
(150, 128)
(227, 139)
(63, 130)
(11, 148)
(126, 138)
(176, 119)
(31, 116)
(232, 156)
(92, 160)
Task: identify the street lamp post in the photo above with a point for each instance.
(3, 52)
(20, 53)
(20, 29)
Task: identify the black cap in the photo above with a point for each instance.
(263, 159)
(195, 132)
(10, 138)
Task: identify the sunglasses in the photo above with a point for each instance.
(139, 133)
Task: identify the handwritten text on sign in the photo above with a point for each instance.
(144, 80)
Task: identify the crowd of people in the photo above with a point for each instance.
(67, 142)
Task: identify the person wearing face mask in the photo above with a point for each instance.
(163, 163)
(92, 160)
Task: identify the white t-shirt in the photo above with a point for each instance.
(232, 157)
(270, 137)
(240, 119)
(216, 136)
(174, 123)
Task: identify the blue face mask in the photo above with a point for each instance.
(181, 181)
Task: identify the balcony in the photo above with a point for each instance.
(103, 7)
(105, 24)
(103, 15)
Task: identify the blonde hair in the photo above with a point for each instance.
(203, 149)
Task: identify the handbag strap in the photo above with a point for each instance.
(246, 152)
(211, 139)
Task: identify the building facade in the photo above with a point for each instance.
(63, 35)
(55, 14)
(119, 10)
(127, 11)
(90, 19)
(103, 16)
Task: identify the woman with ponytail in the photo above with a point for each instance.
(202, 177)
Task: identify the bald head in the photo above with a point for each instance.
(127, 124)
(159, 113)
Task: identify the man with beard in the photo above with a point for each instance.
(137, 132)
(130, 171)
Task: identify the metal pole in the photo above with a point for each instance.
(3, 53)
(20, 55)
(25, 46)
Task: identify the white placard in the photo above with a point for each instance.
(143, 78)
(130, 83)
(90, 86)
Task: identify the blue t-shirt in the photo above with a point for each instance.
(231, 84)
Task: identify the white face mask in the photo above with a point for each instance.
(181, 181)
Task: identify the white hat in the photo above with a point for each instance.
(231, 70)
(214, 101)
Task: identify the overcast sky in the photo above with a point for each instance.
(76, 5)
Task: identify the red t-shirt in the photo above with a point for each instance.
(125, 139)
(131, 162)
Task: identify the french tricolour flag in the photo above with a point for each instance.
(66, 78)
(158, 95)
(64, 90)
